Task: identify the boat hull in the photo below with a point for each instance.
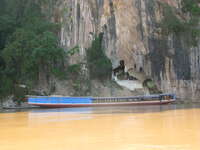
(102, 104)
(61, 102)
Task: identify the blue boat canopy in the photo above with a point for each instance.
(60, 100)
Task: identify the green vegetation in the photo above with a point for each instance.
(191, 6)
(73, 51)
(30, 51)
(173, 23)
(28, 45)
(99, 65)
(74, 71)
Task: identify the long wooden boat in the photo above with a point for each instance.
(60, 101)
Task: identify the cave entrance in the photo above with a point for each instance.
(120, 73)
(124, 79)
(120, 68)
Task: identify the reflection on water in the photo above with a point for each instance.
(169, 127)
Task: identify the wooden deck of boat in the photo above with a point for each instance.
(143, 97)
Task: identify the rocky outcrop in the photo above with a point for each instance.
(131, 33)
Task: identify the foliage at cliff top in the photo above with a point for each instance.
(172, 23)
(99, 65)
(191, 6)
(28, 44)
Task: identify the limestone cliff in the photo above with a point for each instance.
(132, 34)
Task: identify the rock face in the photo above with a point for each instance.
(131, 33)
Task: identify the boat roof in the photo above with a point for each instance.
(126, 97)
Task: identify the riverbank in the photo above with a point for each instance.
(11, 104)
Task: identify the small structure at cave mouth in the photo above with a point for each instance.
(134, 80)
(123, 78)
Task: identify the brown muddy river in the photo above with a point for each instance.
(168, 127)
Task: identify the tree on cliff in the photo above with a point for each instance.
(28, 44)
(99, 65)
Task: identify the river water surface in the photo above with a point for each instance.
(167, 127)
